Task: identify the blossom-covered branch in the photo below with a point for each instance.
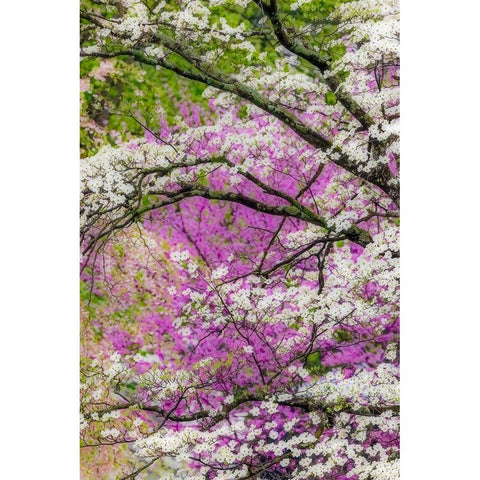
(162, 49)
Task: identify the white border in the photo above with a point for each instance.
(440, 261)
(39, 188)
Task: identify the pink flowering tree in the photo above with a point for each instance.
(240, 263)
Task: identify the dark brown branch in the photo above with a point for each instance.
(133, 475)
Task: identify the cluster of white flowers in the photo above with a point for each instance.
(294, 6)
(111, 433)
(303, 237)
(270, 406)
(367, 387)
(156, 52)
(180, 256)
(83, 422)
(248, 46)
(164, 442)
(191, 22)
(107, 178)
(116, 367)
(130, 27)
(102, 175)
(219, 272)
(376, 32)
(391, 352)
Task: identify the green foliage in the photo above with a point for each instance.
(117, 101)
(337, 51)
(341, 335)
(242, 113)
(313, 364)
(330, 98)
(146, 201)
(88, 297)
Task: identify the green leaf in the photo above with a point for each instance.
(242, 113)
(330, 98)
(313, 364)
(341, 335)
